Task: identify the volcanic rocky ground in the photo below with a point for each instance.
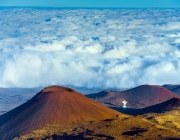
(62, 113)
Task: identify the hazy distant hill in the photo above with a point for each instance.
(173, 88)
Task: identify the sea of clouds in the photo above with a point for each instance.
(108, 48)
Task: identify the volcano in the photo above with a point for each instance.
(139, 97)
(55, 105)
(169, 105)
(173, 88)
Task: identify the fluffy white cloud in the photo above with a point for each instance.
(177, 40)
(171, 26)
(89, 48)
(162, 72)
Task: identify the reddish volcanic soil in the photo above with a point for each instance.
(173, 88)
(53, 105)
(139, 97)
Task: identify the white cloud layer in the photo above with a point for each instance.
(89, 48)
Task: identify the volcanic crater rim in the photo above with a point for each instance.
(56, 88)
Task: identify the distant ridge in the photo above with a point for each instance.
(173, 88)
(138, 97)
(53, 105)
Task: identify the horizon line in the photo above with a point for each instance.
(65, 7)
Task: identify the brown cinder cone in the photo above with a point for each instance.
(54, 105)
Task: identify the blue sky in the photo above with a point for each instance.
(93, 3)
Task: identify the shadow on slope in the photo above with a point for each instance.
(87, 135)
(134, 131)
